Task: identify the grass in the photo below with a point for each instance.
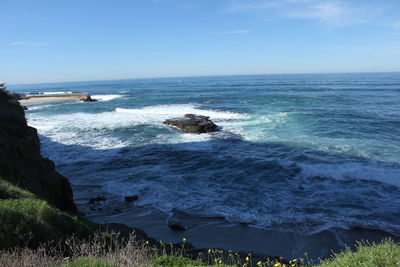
(99, 251)
(367, 255)
(384, 254)
(29, 222)
(9, 191)
(90, 262)
(174, 261)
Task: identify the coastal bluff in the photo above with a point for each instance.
(20, 161)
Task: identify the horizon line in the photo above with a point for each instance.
(197, 76)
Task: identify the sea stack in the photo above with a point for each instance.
(192, 123)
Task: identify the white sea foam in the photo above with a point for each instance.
(95, 129)
(353, 171)
(106, 97)
(39, 107)
(55, 93)
(167, 111)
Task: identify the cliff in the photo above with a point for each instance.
(20, 161)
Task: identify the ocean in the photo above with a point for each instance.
(299, 154)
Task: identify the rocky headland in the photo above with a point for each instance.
(20, 160)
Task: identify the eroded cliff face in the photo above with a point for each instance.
(20, 159)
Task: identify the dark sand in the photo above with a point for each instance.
(218, 233)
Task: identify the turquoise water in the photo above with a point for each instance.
(297, 153)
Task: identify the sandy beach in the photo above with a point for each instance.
(55, 98)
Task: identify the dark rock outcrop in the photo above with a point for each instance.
(176, 225)
(87, 98)
(20, 159)
(45, 98)
(20, 96)
(131, 198)
(97, 199)
(192, 123)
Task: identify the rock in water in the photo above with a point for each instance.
(131, 198)
(192, 123)
(87, 98)
(176, 225)
(96, 199)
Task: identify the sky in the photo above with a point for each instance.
(71, 40)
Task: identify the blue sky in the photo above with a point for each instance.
(69, 40)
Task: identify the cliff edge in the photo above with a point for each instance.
(20, 160)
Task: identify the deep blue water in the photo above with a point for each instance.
(298, 153)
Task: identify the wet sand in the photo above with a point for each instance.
(218, 233)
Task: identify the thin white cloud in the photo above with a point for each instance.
(240, 31)
(23, 43)
(332, 13)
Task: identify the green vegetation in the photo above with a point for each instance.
(90, 262)
(385, 254)
(96, 252)
(174, 261)
(27, 220)
(9, 191)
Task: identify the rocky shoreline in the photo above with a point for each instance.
(21, 164)
(37, 174)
